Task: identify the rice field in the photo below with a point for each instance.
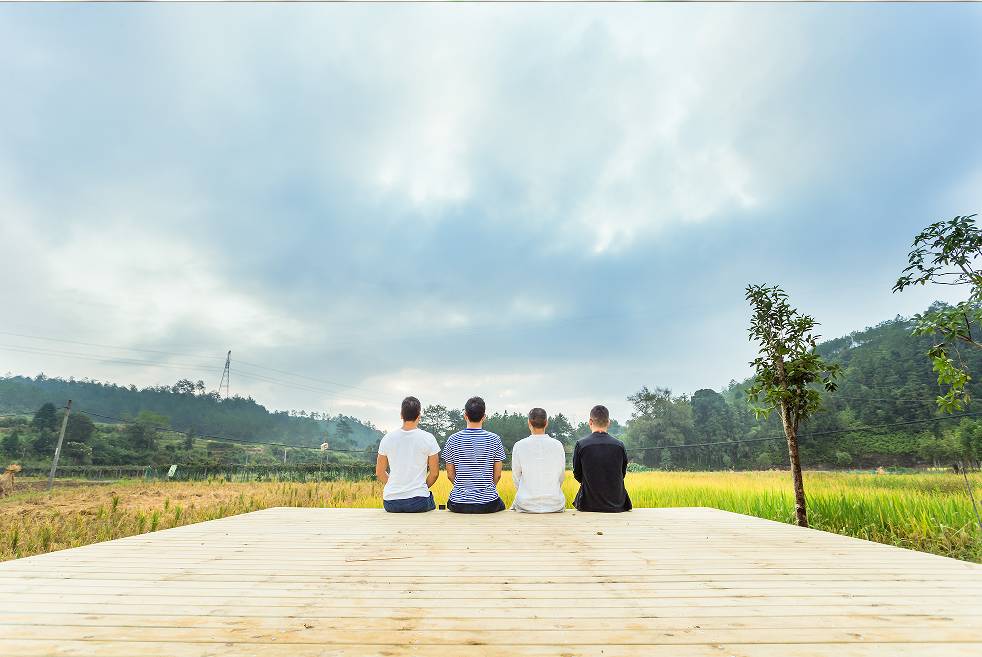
(930, 512)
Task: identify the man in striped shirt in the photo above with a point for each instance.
(474, 457)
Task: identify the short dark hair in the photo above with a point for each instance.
(538, 418)
(475, 409)
(410, 409)
(600, 415)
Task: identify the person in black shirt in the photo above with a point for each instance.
(599, 464)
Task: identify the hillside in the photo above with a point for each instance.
(188, 409)
(886, 380)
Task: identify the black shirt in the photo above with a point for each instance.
(599, 464)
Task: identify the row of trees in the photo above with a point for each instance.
(884, 379)
(146, 439)
(190, 408)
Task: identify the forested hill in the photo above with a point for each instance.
(882, 414)
(887, 379)
(189, 408)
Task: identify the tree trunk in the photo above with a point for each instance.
(791, 433)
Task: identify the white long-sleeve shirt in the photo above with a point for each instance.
(538, 467)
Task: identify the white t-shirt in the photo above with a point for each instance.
(407, 452)
(538, 467)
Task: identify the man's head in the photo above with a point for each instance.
(411, 409)
(538, 420)
(474, 410)
(599, 418)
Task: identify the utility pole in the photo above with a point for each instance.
(61, 437)
(284, 456)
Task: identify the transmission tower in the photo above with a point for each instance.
(226, 375)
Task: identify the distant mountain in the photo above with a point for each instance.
(188, 409)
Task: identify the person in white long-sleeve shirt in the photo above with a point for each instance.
(538, 467)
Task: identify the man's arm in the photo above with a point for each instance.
(516, 468)
(577, 466)
(624, 467)
(433, 469)
(451, 471)
(382, 468)
(497, 472)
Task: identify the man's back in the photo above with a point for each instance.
(538, 465)
(599, 464)
(407, 453)
(473, 453)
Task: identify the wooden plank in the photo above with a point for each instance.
(529, 637)
(262, 622)
(129, 648)
(681, 582)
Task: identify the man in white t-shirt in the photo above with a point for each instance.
(408, 464)
(538, 467)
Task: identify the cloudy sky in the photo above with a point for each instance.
(545, 205)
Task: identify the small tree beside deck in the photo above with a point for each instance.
(786, 370)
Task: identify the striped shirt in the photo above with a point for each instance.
(473, 453)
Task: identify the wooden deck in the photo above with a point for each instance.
(655, 582)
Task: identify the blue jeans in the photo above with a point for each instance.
(410, 505)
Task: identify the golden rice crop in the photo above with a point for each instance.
(929, 512)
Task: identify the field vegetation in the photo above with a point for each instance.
(930, 512)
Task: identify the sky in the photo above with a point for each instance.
(542, 205)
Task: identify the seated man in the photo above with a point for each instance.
(599, 464)
(408, 464)
(538, 467)
(473, 457)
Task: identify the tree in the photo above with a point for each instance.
(46, 418)
(188, 444)
(945, 253)
(786, 370)
(561, 429)
(142, 432)
(44, 443)
(436, 420)
(79, 453)
(80, 428)
(11, 446)
(658, 420)
(184, 387)
(441, 421)
(343, 429)
(712, 421)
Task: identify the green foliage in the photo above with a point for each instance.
(44, 443)
(787, 366)
(945, 253)
(441, 421)
(46, 418)
(78, 453)
(11, 445)
(80, 428)
(658, 419)
(189, 408)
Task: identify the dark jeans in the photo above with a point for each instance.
(410, 505)
(488, 507)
